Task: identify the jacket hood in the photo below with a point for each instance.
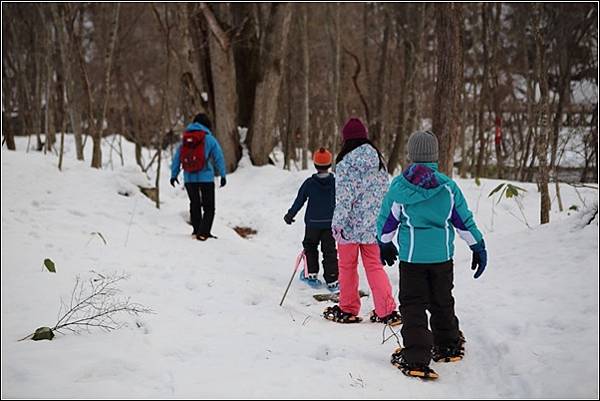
(419, 182)
(362, 159)
(197, 127)
(325, 182)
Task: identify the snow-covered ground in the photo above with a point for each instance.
(531, 320)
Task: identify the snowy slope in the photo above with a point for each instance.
(531, 320)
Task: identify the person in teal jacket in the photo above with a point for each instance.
(200, 184)
(422, 209)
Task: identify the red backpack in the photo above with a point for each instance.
(192, 151)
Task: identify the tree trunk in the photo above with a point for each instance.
(448, 82)
(564, 83)
(67, 53)
(495, 94)
(261, 130)
(336, 54)
(544, 105)
(7, 130)
(98, 133)
(191, 80)
(483, 94)
(222, 63)
(378, 123)
(305, 86)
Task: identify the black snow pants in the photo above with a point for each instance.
(427, 287)
(312, 238)
(202, 199)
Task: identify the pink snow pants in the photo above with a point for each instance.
(378, 279)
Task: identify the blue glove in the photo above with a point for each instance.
(479, 261)
(387, 252)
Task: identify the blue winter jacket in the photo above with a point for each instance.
(212, 153)
(424, 207)
(320, 192)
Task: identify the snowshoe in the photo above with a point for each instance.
(418, 370)
(311, 280)
(335, 296)
(448, 353)
(393, 319)
(335, 314)
(334, 286)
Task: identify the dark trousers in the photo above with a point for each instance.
(312, 238)
(427, 287)
(202, 206)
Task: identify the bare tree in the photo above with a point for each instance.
(306, 92)
(449, 81)
(544, 107)
(108, 60)
(260, 135)
(222, 63)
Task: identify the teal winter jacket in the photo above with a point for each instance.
(423, 207)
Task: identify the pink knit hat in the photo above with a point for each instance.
(354, 129)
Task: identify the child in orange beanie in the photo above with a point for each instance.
(319, 190)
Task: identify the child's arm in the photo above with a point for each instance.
(389, 218)
(462, 218)
(217, 154)
(299, 201)
(176, 163)
(343, 198)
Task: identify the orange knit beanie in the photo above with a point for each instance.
(322, 158)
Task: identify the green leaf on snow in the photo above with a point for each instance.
(99, 234)
(496, 189)
(50, 265)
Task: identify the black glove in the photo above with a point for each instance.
(289, 219)
(388, 253)
(223, 182)
(173, 181)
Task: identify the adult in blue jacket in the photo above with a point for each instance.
(200, 185)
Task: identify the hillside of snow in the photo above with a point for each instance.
(217, 331)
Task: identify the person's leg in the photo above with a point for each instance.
(379, 282)
(414, 290)
(193, 191)
(330, 260)
(348, 277)
(310, 244)
(208, 206)
(444, 323)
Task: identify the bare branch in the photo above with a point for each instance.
(222, 37)
(94, 304)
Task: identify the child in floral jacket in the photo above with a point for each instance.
(361, 182)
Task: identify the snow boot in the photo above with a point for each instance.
(335, 314)
(421, 371)
(393, 319)
(311, 280)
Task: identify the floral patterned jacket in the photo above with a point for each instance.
(359, 190)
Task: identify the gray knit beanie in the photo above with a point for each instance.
(423, 147)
